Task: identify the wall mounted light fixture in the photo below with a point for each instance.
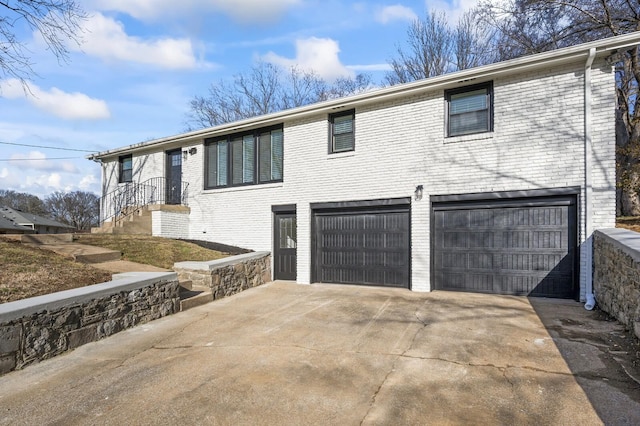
(184, 154)
(418, 192)
(193, 150)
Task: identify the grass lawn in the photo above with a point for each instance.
(156, 251)
(30, 271)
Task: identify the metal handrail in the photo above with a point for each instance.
(131, 197)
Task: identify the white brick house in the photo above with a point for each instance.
(490, 179)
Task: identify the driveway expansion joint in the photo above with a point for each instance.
(393, 366)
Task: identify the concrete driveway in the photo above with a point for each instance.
(325, 354)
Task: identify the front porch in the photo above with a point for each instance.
(133, 207)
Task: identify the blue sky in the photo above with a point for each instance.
(141, 61)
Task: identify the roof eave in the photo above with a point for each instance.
(565, 55)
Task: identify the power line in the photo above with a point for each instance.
(46, 147)
(41, 159)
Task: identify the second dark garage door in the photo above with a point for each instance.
(521, 246)
(362, 243)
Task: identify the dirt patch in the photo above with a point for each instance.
(632, 223)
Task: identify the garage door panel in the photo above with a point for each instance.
(507, 249)
(362, 247)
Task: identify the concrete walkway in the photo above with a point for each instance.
(98, 257)
(339, 355)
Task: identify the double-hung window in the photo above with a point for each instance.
(244, 159)
(469, 110)
(125, 164)
(342, 131)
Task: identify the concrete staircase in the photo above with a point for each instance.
(136, 221)
(109, 260)
(63, 244)
(192, 295)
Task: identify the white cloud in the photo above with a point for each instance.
(319, 55)
(70, 106)
(106, 38)
(397, 12)
(370, 67)
(247, 11)
(53, 180)
(88, 182)
(453, 8)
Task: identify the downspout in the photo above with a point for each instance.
(588, 190)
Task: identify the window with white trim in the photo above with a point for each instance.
(469, 110)
(244, 159)
(342, 131)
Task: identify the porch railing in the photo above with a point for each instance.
(131, 197)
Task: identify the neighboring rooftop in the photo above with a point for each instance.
(29, 220)
(7, 225)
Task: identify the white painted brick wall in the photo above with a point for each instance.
(538, 142)
(169, 224)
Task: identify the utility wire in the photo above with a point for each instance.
(46, 147)
(41, 159)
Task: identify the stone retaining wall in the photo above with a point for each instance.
(616, 275)
(228, 276)
(42, 327)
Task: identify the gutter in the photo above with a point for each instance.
(588, 189)
(478, 74)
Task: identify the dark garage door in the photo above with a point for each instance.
(368, 246)
(524, 247)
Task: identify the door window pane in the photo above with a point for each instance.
(288, 236)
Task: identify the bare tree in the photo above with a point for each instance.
(345, 86)
(302, 88)
(531, 26)
(264, 89)
(79, 209)
(57, 21)
(435, 48)
(22, 201)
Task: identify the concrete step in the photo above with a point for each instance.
(186, 285)
(195, 297)
(81, 252)
(46, 238)
(142, 227)
(102, 230)
(105, 256)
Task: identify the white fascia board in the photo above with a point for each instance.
(478, 74)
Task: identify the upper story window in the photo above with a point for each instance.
(469, 110)
(125, 164)
(244, 159)
(342, 131)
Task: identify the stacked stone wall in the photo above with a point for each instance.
(32, 332)
(616, 275)
(228, 276)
